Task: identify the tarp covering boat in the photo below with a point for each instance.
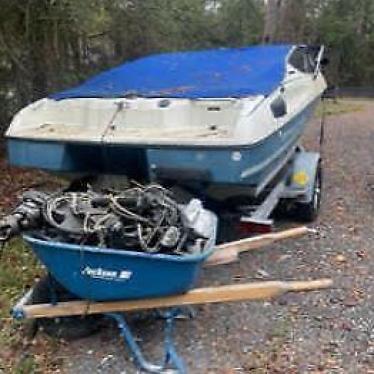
(216, 73)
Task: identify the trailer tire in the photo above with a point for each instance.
(67, 328)
(308, 212)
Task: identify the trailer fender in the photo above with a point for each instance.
(303, 176)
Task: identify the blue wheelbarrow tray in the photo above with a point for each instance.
(104, 274)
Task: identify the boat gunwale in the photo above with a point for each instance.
(180, 145)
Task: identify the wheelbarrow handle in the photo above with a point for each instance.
(208, 295)
(228, 252)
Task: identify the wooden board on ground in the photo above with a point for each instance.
(229, 293)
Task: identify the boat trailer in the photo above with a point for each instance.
(299, 184)
(170, 308)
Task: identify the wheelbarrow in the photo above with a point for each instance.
(112, 283)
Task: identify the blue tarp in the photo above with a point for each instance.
(217, 73)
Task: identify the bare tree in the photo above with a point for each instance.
(272, 17)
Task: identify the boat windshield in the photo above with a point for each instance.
(303, 59)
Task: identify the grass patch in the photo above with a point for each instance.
(18, 270)
(334, 108)
(26, 365)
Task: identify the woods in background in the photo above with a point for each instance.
(47, 45)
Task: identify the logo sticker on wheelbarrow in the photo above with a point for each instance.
(107, 274)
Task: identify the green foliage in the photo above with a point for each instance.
(42, 45)
(241, 22)
(27, 365)
(18, 269)
(348, 29)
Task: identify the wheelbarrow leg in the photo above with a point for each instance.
(171, 355)
(171, 358)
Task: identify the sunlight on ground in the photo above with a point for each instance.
(340, 106)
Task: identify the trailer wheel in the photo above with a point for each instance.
(308, 212)
(67, 328)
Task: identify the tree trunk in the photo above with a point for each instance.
(272, 17)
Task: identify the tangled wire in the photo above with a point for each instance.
(140, 218)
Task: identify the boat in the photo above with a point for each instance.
(224, 121)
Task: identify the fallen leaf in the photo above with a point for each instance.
(361, 253)
(340, 259)
(263, 273)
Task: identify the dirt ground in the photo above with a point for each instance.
(329, 331)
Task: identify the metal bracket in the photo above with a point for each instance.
(171, 361)
(17, 311)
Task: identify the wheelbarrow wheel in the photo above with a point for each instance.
(308, 212)
(67, 328)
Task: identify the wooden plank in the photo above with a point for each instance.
(229, 293)
(229, 252)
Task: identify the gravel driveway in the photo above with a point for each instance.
(318, 332)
